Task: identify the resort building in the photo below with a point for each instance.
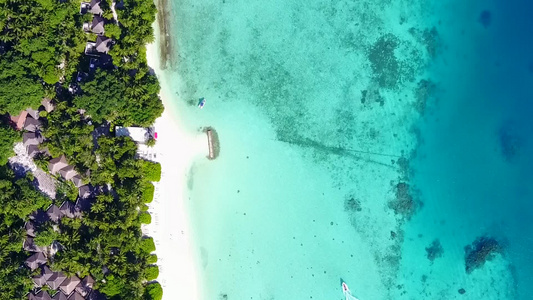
(85, 191)
(31, 124)
(31, 138)
(68, 172)
(56, 280)
(57, 164)
(96, 26)
(92, 7)
(59, 296)
(47, 104)
(18, 121)
(77, 180)
(102, 45)
(41, 295)
(137, 134)
(68, 286)
(85, 286)
(30, 246)
(76, 296)
(54, 213)
(41, 279)
(36, 260)
(33, 113)
(30, 228)
(69, 210)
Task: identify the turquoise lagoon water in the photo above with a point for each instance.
(325, 109)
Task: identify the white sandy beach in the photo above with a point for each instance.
(176, 149)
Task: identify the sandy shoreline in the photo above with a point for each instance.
(176, 149)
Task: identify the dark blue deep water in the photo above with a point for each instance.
(473, 168)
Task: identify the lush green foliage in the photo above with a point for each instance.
(147, 245)
(148, 192)
(7, 138)
(41, 160)
(45, 236)
(145, 218)
(12, 256)
(152, 259)
(129, 98)
(151, 170)
(43, 44)
(151, 272)
(42, 35)
(18, 197)
(67, 133)
(153, 291)
(65, 190)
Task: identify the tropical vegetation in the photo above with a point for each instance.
(42, 49)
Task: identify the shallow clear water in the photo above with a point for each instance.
(318, 107)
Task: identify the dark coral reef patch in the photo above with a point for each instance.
(434, 250)
(404, 204)
(385, 66)
(482, 249)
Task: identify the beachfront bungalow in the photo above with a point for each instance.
(59, 296)
(30, 246)
(36, 260)
(54, 213)
(47, 104)
(92, 7)
(68, 210)
(77, 180)
(83, 204)
(29, 226)
(96, 26)
(39, 217)
(41, 279)
(76, 296)
(102, 45)
(85, 286)
(69, 285)
(31, 124)
(68, 172)
(56, 280)
(41, 295)
(31, 138)
(57, 164)
(85, 191)
(32, 150)
(137, 134)
(34, 113)
(18, 121)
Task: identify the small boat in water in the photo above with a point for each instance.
(345, 288)
(201, 103)
(347, 293)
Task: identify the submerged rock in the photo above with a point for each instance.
(434, 250)
(424, 91)
(461, 291)
(485, 18)
(510, 141)
(385, 66)
(481, 250)
(404, 204)
(352, 204)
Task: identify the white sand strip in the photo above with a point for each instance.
(176, 149)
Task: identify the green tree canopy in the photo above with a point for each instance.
(7, 138)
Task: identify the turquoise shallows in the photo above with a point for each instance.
(326, 112)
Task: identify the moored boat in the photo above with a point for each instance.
(345, 288)
(201, 103)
